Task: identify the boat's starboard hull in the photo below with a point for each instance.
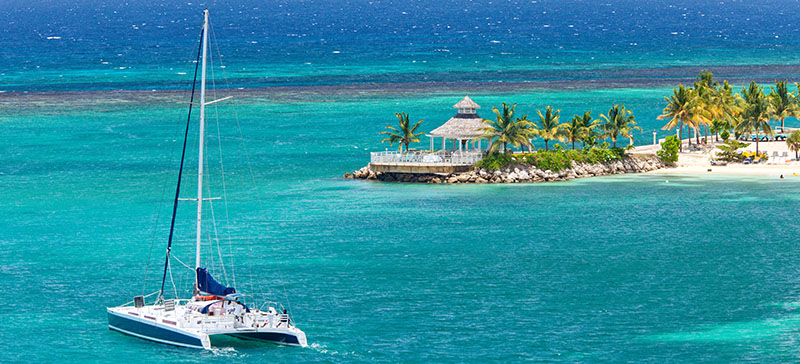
(279, 338)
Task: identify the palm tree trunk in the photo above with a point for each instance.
(573, 144)
(782, 131)
(545, 144)
(706, 133)
(756, 142)
(614, 141)
(680, 138)
(697, 134)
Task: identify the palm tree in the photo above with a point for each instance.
(590, 126)
(793, 141)
(550, 128)
(782, 103)
(577, 129)
(619, 122)
(729, 104)
(709, 108)
(755, 117)
(405, 134)
(680, 110)
(505, 129)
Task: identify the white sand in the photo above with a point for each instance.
(699, 162)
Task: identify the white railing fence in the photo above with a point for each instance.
(424, 157)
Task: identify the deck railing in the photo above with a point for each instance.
(425, 157)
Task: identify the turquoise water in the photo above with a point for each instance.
(610, 269)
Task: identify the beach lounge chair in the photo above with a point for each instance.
(747, 160)
(775, 155)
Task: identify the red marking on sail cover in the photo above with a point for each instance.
(133, 313)
(148, 317)
(168, 322)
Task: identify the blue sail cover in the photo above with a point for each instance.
(207, 284)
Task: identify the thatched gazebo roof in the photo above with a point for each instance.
(465, 125)
(466, 103)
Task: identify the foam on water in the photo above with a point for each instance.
(750, 331)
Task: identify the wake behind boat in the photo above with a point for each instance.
(215, 314)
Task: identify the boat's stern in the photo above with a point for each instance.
(301, 337)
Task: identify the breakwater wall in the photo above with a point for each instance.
(520, 173)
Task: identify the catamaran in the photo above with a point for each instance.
(216, 314)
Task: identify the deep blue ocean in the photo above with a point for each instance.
(703, 269)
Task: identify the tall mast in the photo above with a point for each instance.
(201, 144)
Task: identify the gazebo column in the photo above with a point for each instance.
(444, 140)
(431, 138)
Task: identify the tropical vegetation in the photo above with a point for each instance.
(553, 160)
(669, 149)
(548, 127)
(505, 130)
(730, 151)
(618, 123)
(404, 134)
(793, 141)
(756, 112)
(714, 107)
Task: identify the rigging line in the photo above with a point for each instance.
(224, 195)
(161, 198)
(222, 174)
(184, 264)
(222, 166)
(180, 175)
(208, 188)
(248, 265)
(216, 238)
(174, 289)
(252, 177)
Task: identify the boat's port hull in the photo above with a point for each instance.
(133, 326)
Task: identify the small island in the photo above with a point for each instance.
(501, 150)
(477, 150)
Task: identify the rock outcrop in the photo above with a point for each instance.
(519, 173)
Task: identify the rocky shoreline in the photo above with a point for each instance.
(520, 173)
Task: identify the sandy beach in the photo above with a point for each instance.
(699, 162)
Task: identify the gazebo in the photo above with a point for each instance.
(463, 128)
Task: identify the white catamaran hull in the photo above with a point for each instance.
(196, 332)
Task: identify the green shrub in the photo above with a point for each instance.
(729, 150)
(725, 135)
(495, 161)
(601, 155)
(553, 160)
(669, 149)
